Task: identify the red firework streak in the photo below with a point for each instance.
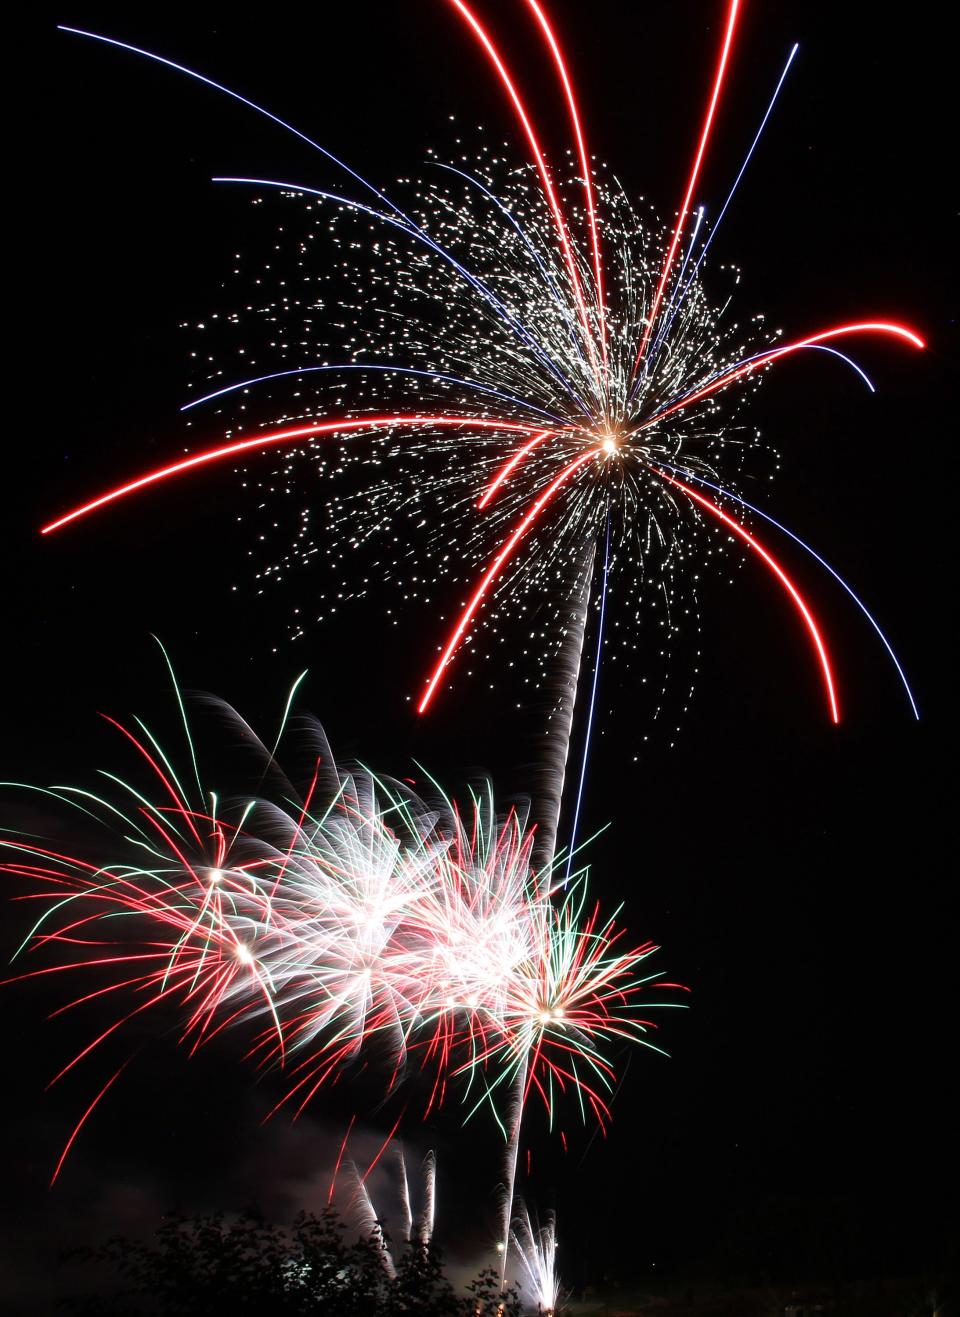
(731, 24)
(508, 467)
(575, 123)
(801, 605)
(272, 439)
(493, 571)
(537, 152)
(765, 359)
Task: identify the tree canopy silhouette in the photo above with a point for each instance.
(211, 1266)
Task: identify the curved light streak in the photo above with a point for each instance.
(694, 174)
(753, 363)
(690, 475)
(743, 170)
(541, 164)
(584, 165)
(505, 471)
(812, 347)
(835, 352)
(236, 96)
(493, 570)
(83, 1120)
(267, 440)
(388, 370)
(778, 571)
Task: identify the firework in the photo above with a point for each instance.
(352, 921)
(531, 368)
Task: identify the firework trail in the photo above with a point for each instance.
(549, 773)
(429, 1214)
(367, 1220)
(417, 1232)
(418, 1227)
(405, 1195)
(536, 1247)
(526, 358)
(512, 1159)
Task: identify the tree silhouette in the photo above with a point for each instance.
(207, 1265)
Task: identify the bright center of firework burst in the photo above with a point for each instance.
(244, 954)
(550, 1014)
(609, 443)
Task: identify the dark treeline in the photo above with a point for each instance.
(206, 1265)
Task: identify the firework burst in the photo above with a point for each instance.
(494, 370)
(351, 922)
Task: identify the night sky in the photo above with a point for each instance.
(796, 875)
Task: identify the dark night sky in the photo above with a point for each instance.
(796, 875)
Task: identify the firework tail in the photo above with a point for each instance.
(556, 747)
(537, 1251)
(419, 1228)
(513, 1153)
(429, 1197)
(367, 1219)
(405, 1197)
